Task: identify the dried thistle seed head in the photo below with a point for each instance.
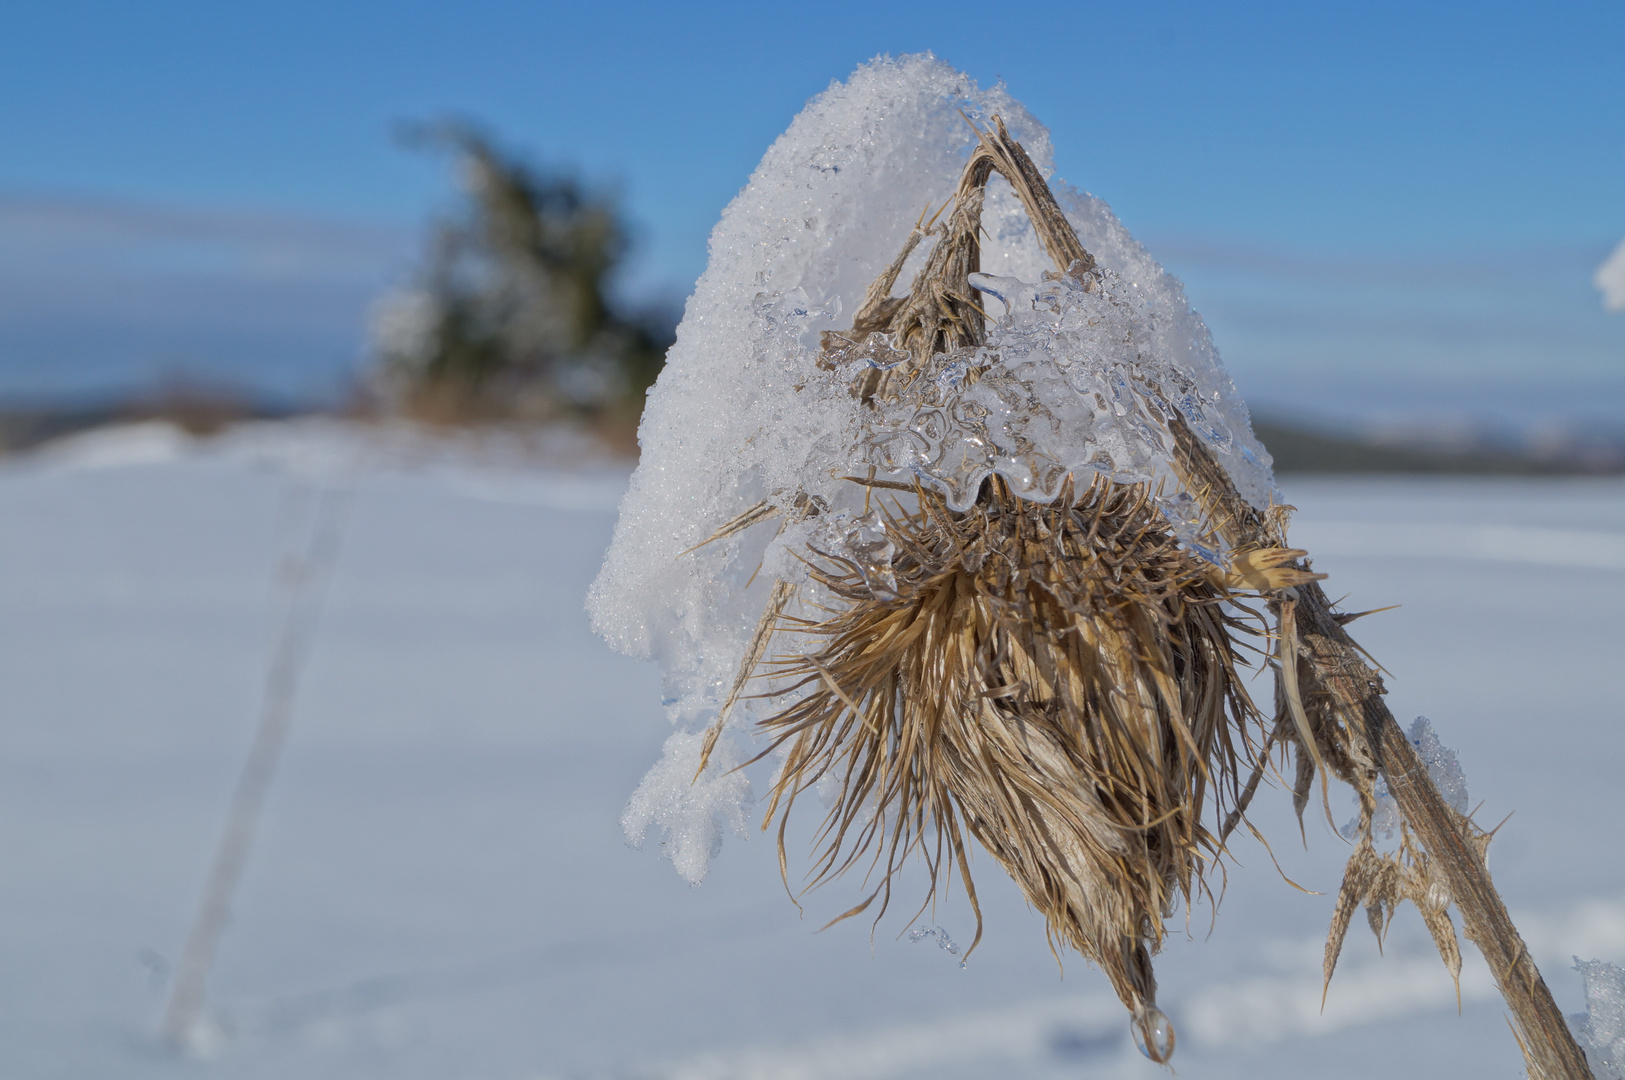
(795, 425)
(1006, 661)
(1056, 682)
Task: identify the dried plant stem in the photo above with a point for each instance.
(184, 1012)
(1455, 852)
(1549, 1047)
(1352, 693)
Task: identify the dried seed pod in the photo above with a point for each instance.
(1056, 681)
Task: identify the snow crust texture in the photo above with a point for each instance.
(692, 811)
(1070, 381)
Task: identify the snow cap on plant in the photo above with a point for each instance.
(987, 607)
(979, 559)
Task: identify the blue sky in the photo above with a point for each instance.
(1376, 206)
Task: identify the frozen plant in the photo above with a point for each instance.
(945, 487)
(1062, 416)
(742, 411)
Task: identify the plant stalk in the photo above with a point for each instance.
(184, 1013)
(1549, 1047)
(1355, 691)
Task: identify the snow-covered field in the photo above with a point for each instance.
(440, 887)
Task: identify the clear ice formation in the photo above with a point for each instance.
(1600, 1030)
(943, 940)
(1444, 769)
(1153, 1033)
(1069, 381)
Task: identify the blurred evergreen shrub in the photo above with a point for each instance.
(510, 318)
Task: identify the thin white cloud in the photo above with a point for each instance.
(87, 239)
(1458, 326)
(96, 295)
(1610, 280)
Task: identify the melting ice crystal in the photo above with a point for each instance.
(1071, 382)
(1153, 1033)
(862, 543)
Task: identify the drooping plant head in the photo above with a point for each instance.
(979, 558)
(950, 531)
(1053, 677)
(1056, 682)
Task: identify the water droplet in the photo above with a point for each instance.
(1153, 1033)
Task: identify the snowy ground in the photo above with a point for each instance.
(440, 888)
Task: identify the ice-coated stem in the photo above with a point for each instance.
(1549, 1047)
(1355, 692)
